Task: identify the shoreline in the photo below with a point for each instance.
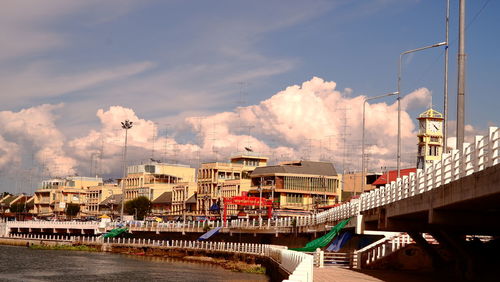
(237, 265)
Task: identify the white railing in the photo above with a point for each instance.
(385, 247)
(52, 224)
(483, 153)
(299, 265)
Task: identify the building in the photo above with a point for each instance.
(352, 183)
(162, 205)
(55, 194)
(183, 193)
(153, 179)
(392, 175)
(9, 201)
(299, 185)
(111, 206)
(96, 195)
(430, 138)
(217, 180)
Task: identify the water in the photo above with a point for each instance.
(24, 264)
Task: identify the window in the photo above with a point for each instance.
(294, 198)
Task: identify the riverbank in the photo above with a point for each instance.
(25, 264)
(234, 262)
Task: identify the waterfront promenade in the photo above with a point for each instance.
(338, 274)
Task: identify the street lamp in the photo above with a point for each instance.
(399, 97)
(125, 125)
(363, 139)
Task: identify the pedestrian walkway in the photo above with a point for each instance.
(337, 274)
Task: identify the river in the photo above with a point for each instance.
(24, 264)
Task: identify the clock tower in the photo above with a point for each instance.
(430, 137)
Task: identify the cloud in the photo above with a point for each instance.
(306, 118)
(33, 131)
(43, 83)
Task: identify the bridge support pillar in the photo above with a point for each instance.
(437, 260)
(465, 261)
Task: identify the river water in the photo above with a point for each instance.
(24, 264)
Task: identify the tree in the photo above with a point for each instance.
(72, 210)
(139, 206)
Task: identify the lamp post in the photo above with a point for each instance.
(363, 139)
(399, 97)
(125, 125)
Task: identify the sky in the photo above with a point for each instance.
(202, 80)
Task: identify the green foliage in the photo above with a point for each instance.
(72, 210)
(139, 206)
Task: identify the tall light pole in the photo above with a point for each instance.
(445, 100)
(125, 125)
(461, 78)
(363, 140)
(399, 97)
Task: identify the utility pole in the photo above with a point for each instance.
(445, 101)
(125, 125)
(461, 77)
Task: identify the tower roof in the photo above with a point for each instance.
(431, 113)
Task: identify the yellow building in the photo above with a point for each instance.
(55, 194)
(183, 195)
(217, 180)
(430, 138)
(96, 195)
(300, 185)
(152, 180)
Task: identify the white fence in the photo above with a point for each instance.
(299, 265)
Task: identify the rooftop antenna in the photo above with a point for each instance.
(214, 139)
(343, 135)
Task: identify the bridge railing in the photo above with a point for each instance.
(483, 153)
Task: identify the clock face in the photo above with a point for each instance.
(435, 126)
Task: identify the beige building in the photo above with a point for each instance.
(154, 179)
(55, 194)
(183, 194)
(217, 180)
(352, 183)
(300, 185)
(96, 195)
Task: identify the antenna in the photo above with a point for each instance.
(343, 135)
(166, 143)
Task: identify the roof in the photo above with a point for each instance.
(393, 175)
(191, 200)
(300, 167)
(431, 113)
(165, 198)
(114, 199)
(9, 199)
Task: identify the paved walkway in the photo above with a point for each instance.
(334, 274)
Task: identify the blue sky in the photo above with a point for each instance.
(169, 61)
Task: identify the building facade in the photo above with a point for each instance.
(217, 180)
(300, 185)
(181, 193)
(154, 179)
(55, 194)
(96, 195)
(430, 138)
